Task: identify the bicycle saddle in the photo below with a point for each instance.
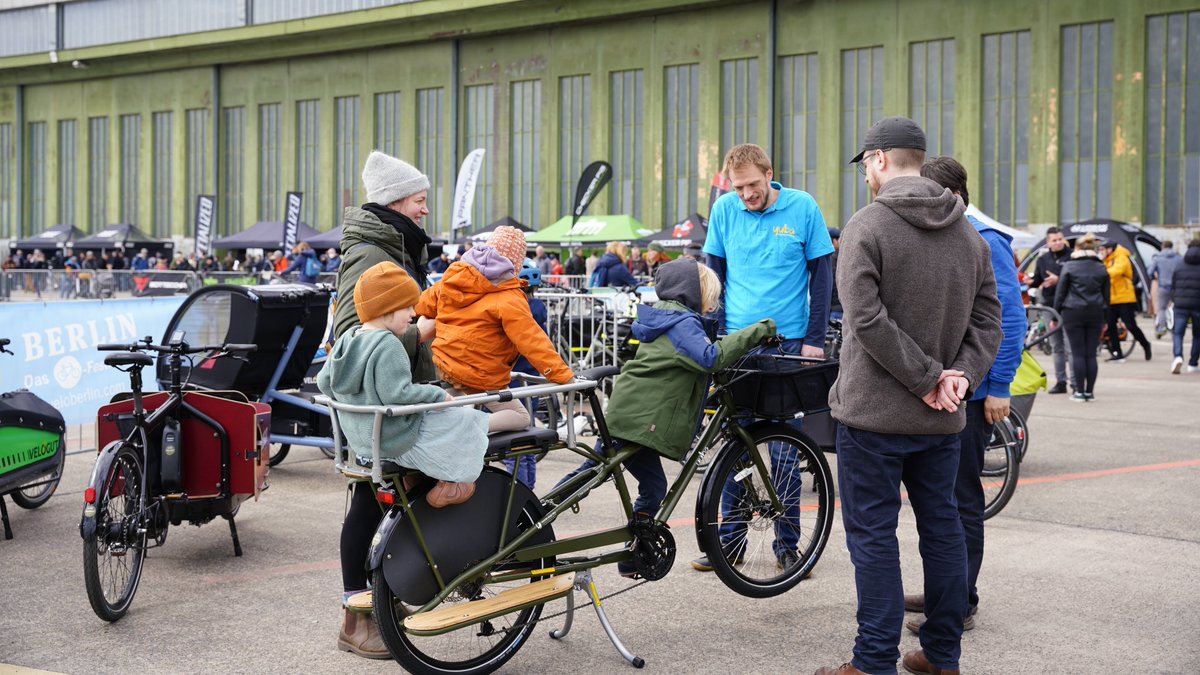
(128, 359)
(500, 443)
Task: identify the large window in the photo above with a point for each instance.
(37, 178)
(68, 151)
(525, 155)
(387, 123)
(1004, 188)
(1172, 126)
(197, 161)
(97, 173)
(232, 167)
(347, 166)
(6, 180)
(796, 159)
(480, 132)
(131, 153)
(574, 136)
(626, 142)
(308, 149)
(681, 146)
(739, 102)
(164, 132)
(430, 139)
(270, 198)
(1085, 126)
(931, 97)
(862, 106)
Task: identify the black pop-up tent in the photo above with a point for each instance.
(264, 234)
(59, 236)
(123, 236)
(482, 235)
(326, 240)
(689, 231)
(1141, 245)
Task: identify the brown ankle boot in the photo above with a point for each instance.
(446, 493)
(360, 635)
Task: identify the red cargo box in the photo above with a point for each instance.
(248, 425)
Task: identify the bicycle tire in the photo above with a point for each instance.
(747, 563)
(1001, 469)
(112, 576)
(277, 457)
(33, 497)
(1021, 428)
(415, 653)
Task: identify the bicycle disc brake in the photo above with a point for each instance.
(653, 547)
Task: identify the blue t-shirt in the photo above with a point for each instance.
(766, 256)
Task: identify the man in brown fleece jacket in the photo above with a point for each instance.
(921, 328)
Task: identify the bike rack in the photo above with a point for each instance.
(585, 583)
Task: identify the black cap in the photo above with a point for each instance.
(835, 233)
(891, 133)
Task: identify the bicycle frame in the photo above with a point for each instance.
(560, 499)
(272, 394)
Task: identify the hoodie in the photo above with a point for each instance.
(1012, 310)
(371, 367)
(657, 398)
(916, 282)
(1164, 264)
(610, 271)
(484, 323)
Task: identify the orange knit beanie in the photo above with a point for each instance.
(383, 289)
(510, 243)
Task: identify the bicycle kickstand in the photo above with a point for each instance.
(237, 545)
(584, 582)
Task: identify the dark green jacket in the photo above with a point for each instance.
(366, 242)
(657, 397)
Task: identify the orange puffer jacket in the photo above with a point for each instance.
(1120, 273)
(482, 328)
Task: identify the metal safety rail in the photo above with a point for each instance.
(590, 329)
(40, 285)
(344, 459)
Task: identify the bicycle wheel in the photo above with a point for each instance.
(36, 495)
(278, 455)
(469, 650)
(1020, 431)
(744, 536)
(1001, 467)
(113, 557)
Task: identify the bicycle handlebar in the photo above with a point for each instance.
(146, 344)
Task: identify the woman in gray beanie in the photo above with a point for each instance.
(385, 229)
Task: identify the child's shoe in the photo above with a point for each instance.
(446, 493)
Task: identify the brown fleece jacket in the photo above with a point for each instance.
(916, 285)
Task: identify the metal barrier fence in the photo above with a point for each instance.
(21, 285)
(590, 329)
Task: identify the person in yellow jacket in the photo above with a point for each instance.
(1122, 301)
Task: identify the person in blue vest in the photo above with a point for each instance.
(990, 403)
(771, 250)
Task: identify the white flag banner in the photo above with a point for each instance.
(464, 188)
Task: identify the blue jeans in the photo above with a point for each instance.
(525, 467)
(871, 467)
(785, 475)
(646, 467)
(1181, 322)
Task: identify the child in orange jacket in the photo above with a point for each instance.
(484, 324)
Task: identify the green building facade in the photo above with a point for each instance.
(1061, 110)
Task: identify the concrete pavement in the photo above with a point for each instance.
(1094, 567)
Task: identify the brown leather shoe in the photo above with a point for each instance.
(844, 669)
(915, 662)
(915, 623)
(360, 635)
(446, 493)
(914, 603)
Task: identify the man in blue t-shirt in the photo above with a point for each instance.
(771, 249)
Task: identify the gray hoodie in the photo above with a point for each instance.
(916, 284)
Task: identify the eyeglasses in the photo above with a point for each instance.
(867, 155)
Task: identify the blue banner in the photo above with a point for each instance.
(54, 349)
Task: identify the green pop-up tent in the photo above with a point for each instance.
(590, 230)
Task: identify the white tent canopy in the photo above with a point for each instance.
(1020, 238)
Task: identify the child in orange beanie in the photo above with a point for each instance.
(369, 366)
(484, 324)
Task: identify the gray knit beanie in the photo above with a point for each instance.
(388, 179)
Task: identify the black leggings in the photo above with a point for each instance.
(1083, 332)
(362, 518)
(1127, 313)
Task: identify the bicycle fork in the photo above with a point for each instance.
(584, 582)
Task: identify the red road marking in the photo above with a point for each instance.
(322, 566)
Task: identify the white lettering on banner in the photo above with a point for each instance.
(590, 192)
(586, 228)
(1085, 227)
(49, 342)
(203, 224)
